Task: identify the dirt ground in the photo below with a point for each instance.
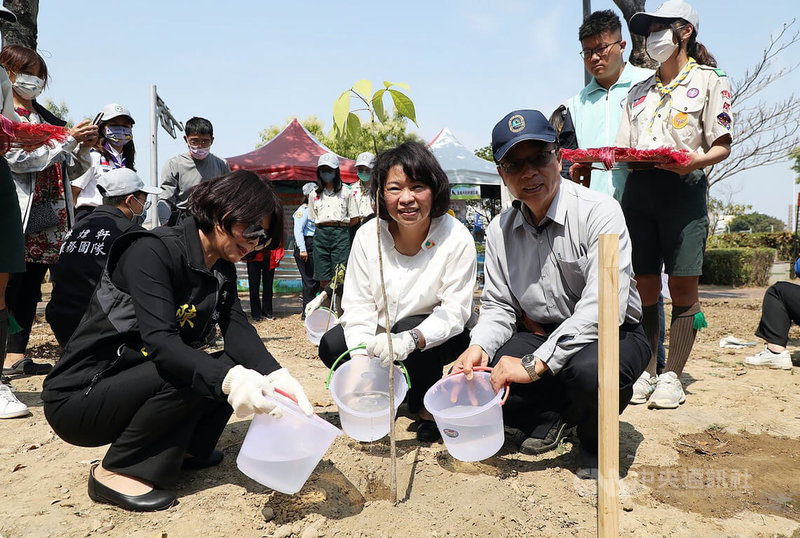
(726, 463)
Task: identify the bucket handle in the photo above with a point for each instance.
(362, 346)
(485, 369)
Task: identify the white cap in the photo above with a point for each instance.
(671, 9)
(123, 181)
(7, 15)
(308, 188)
(114, 110)
(329, 159)
(365, 159)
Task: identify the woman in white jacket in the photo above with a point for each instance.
(42, 187)
(429, 264)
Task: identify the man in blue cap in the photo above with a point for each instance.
(538, 318)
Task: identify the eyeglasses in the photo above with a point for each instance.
(539, 160)
(602, 50)
(145, 205)
(255, 231)
(199, 143)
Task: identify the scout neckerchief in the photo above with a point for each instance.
(119, 162)
(666, 91)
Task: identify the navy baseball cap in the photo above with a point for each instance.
(518, 126)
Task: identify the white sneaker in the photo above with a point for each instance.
(643, 388)
(669, 392)
(10, 407)
(766, 357)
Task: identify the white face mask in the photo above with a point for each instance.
(28, 86)
(660, 46)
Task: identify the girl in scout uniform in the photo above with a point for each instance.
(114, 149)
(685, 105)
(333, 209)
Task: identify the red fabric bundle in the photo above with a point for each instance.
(29, 135)
(608, 156)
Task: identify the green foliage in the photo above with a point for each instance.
(786, 244)
(388, 134)
(795, 155)
(737, 266)
(756, 222)
(347, 126)
(60, 110)
(485, 153)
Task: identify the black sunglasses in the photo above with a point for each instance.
(255, 231)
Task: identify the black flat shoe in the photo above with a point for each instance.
(158, 499)
(427, 432)
(193, 462)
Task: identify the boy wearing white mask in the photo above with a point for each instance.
(181, 173)
(365, 162)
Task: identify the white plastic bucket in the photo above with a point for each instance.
(318, 323)
(281, 453)
(468, 415)
(360, 388)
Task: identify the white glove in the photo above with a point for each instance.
(315, 303)
(402, 346)
(283, 380)
(246, 389)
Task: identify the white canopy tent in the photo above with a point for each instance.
(464, 167)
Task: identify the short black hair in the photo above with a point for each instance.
(419, 164)
(599, 22)
(116, 200)
(239, 197)
(199, 126)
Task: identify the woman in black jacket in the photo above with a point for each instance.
(133, 375)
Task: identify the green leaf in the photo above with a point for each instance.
(363, 87)
(404, 106)
(377, 106)
(403, 85)
(340, 110)
(387, 84)
(353, 127)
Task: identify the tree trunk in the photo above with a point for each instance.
(639, 55)
(24, 31)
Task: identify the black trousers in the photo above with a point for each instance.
(780, 308)
(23, 294)
(424, 366)
(306, 268)
(572, 392)
(258, 272)
(149, 422)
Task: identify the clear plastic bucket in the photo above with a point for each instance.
(360, 388)
(318, 323)
(468, 415)
(281, 453)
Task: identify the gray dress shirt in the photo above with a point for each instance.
(551, 272)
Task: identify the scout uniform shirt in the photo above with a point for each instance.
(692, 116)
(326, 206)
(362, 199)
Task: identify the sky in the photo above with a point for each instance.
(249, 64)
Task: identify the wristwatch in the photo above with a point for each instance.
(529, 363)
(415, 337)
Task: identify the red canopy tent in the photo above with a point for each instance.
(290, 156)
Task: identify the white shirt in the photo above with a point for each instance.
(438, 281)
(551, 274)
(90, 196)
(362, 198)
(330, 206)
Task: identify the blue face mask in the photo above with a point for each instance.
(364, 176)
(327, 176)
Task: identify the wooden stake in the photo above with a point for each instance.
(608, 388)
